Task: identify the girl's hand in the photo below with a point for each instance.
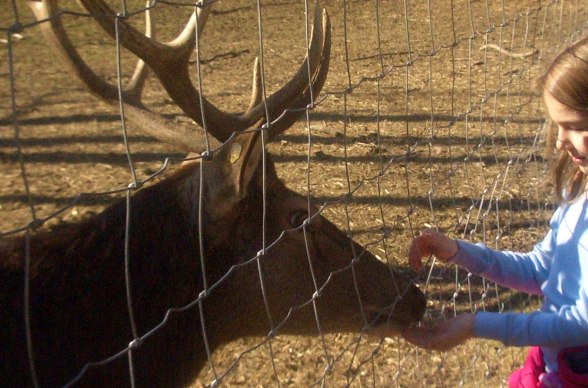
(430, 242)
(442, 335)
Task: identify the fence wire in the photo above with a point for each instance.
(428, 119)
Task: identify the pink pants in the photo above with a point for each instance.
(532, 373)
(528, 376)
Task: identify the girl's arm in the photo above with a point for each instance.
(520, 271)
(523, 272)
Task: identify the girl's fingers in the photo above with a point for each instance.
(423, 337)
(427, 338)
(430, 242)
(443, 335)
(420, 247)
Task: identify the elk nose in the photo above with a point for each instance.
(417, 303)
(411, 307)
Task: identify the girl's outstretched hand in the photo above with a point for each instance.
(430, 242)
(442, 335)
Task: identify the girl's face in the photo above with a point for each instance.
(572, 130)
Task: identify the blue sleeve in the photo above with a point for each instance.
(520, 271)
(565, 328)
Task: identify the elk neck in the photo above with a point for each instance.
(79, 271)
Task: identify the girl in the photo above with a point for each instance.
(557, 267)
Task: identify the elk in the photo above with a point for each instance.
(197, 258)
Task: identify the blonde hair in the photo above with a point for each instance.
(566, 79)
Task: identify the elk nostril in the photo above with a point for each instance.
(419, 301)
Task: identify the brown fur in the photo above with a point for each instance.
(77, 284)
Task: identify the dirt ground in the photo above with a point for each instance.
(421, 117)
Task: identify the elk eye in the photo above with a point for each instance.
(297, 218)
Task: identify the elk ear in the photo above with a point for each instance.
(231, 171)
(244, 155)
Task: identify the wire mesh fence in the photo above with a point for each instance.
(428, 119)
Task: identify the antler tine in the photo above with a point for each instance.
(183, 136)
(170, 62)
(285, 104)
(55, 34)
(295, 110)
(256, 90)
(137, 81)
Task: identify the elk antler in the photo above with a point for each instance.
(170, 62)
(156, 125)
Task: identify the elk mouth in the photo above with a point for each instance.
(387, 320)
(397, 316)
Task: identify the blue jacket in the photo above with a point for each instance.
(556, 268)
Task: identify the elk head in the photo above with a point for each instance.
(311, 273)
